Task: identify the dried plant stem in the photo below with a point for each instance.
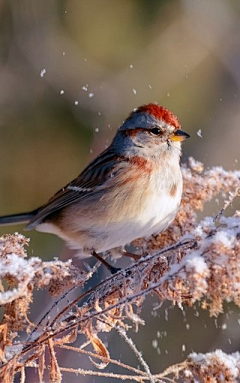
(123, 377)
(139, 356)
(109, 360)
(227, 203)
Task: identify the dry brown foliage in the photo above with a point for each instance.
(191, 261)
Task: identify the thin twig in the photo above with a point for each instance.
(227, 203)
(104, 359)
(86, 278)
(131, 344)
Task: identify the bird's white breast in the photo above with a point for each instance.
(160, 208)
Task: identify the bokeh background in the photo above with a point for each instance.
(71, 71)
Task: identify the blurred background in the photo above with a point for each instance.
(70, 73)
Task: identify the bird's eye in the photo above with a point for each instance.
(155, 131)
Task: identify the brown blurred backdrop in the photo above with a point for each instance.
(71, 71)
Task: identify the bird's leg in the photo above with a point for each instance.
(112, 269)
(136, 257)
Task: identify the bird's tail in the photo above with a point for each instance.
(17, 219)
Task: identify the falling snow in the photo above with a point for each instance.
(154, 343)
(43, 72)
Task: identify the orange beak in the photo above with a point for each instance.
(179, 135)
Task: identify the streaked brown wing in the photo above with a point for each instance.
(87, 183)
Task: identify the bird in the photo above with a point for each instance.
(131, 190)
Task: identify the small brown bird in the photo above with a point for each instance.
(133, 189)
